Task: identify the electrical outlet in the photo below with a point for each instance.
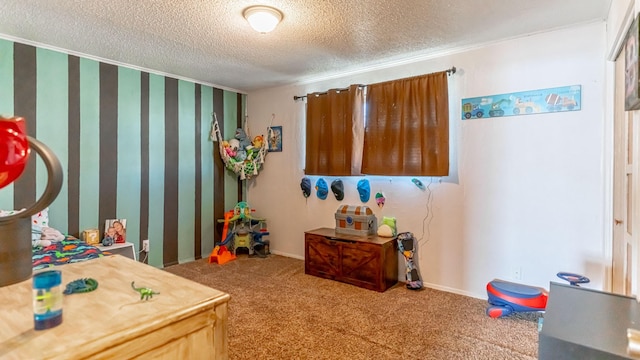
(145, 245)
(517, 273)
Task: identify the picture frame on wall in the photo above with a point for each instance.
(275, 139)
(631, 68)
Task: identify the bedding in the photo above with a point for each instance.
(51, 247)
(66, 251)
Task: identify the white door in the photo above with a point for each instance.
(624, 184)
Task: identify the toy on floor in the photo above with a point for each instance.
(406, 246)
(507, 297)
(246, 232)
(221, 255)
(260, 246)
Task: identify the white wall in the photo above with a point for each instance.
(523, 192)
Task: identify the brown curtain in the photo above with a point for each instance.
(407, 129)
(329, 132)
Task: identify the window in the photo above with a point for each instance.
(406, 132)
(330, 138)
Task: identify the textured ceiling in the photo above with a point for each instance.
(210, 42)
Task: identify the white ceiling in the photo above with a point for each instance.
(210, 42)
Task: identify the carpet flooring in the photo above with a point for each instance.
(276, 311)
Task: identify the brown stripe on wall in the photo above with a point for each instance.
(198, 174)
(108, 142)
(218, 168)
(171, 163)
(73, 173)
(239, 125)
(24, 103)
(144, 157)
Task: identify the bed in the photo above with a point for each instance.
(67, 251)
(52, 248)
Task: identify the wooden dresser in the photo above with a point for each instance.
(369, 262)
(185, 321)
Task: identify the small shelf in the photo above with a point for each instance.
(125, 249)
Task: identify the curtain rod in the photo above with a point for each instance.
(295, 98)
(449, 72)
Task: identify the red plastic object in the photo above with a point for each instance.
(14, 149)
(498, 311)
(221, 255)
(506, 297)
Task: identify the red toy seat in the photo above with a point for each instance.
(507, 297)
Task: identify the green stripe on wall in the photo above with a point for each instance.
(6, 106)
(230, 126)
(89, 145)
(207, 151)
(197, 223)
(186, 172)
(128, 196)
(52, 109)
(156, 169)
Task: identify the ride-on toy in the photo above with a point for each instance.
(507, 297)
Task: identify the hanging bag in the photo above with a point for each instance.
(243, 155)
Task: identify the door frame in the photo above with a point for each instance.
(622, 275)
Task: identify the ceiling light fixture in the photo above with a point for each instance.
(262, 19)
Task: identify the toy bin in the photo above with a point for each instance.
(355, 220)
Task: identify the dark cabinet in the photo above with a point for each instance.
(369, 262)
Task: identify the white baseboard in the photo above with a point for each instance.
(276, 252)
(429, 285)
(452, 290)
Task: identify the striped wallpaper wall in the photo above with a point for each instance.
(133, 145)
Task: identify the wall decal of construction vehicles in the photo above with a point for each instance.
(566, 98)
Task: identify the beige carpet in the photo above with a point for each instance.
(278, 312)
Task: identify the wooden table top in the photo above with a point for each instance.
(112, 314)
(332, 234)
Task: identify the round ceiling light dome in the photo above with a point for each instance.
(262, 19)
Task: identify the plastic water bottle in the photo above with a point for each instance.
(47, 299)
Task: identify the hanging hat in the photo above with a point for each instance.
(321, 189)
(364, 190)
(380, 199)
(418, 183)
(305, 185)
(338, 189)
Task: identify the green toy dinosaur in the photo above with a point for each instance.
(145, 293)
(81, 286)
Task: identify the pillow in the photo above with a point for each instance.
(41, 218)
(38, 221)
